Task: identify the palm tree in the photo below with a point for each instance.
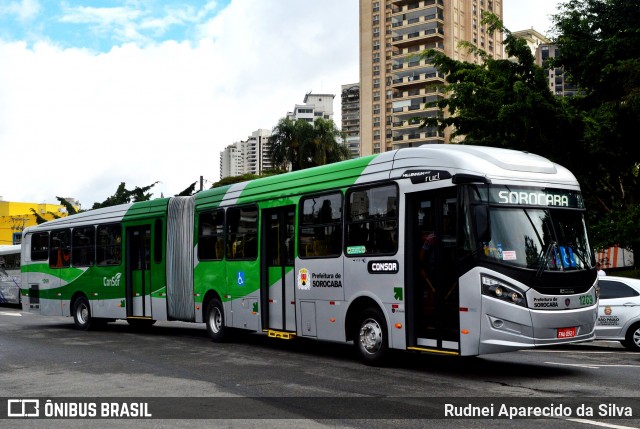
(303, 145)
(326, 149)
(286, 143)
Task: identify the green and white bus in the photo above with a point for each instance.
(449, 249)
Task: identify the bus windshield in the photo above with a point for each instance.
(535, 228)
(542, 239)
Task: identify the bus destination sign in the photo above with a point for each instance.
(525, 196)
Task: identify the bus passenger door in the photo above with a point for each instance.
(277, 287)
(433, 316)
(138, 271)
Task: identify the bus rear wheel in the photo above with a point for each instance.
(215, 321)
(82, 314)
(371, 338)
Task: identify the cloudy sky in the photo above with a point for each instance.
(94, 93)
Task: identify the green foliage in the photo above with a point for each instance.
(500, 103)
(71, 209)
(600, 45)
(303, 145)
(230, 180)
(188, 191)
(39, 218)
(244, 178)
(507, 103)
(125, 196)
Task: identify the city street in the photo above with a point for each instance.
(256, 381)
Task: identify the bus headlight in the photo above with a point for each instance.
(503, 291)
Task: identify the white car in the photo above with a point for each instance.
(619, 311)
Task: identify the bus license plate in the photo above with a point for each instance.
(566, 332)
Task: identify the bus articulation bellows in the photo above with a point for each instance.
(449, 249)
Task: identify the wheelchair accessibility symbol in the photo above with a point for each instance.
(240, 278)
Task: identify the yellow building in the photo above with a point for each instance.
(15, 217)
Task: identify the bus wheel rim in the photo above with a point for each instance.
(216, 320)
(371, 336)
(83, 313)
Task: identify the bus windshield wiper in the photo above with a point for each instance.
(545, 258)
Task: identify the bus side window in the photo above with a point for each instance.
(60, 250)
(83, 246)
(109, 244)
(372, 220)
(320, 226)
(40, 246)
(242, 233)
(211, 235)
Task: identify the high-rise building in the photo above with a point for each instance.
(395, 84)
(351, 117)
(543, 51)
(533, 38)
(558, 82)
(248, 156)
(315, 106)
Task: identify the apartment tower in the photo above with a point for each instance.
(350, 97)
(395, 84)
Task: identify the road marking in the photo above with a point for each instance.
(6, 313)
(579, 365)
(595, 423)
(594, 365)
(584, 351)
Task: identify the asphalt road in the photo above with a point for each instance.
(185, 380)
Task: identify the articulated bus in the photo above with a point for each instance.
(10, 274)
(449, 249)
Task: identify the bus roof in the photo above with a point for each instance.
(8, 249)
(490, 164)
(106, 214)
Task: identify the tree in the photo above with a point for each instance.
(303, 145)
(230, 180)
(324, 147)
(125, 196)
(599, 41)
(190, 190)
(500, 102)
(71, 210)
(507, 103)
(287, 141)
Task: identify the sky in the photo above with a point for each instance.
(94, 93)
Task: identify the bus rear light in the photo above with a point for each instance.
(398, 325)
(332, 320)
(464, 332)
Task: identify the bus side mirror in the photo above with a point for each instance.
(483, 227)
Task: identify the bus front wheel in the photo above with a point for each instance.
(82, 314)
(215, 321)
(371, 339)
